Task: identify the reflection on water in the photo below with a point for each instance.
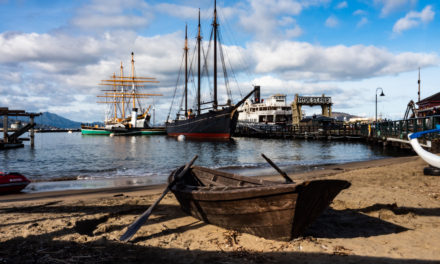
(150, 159)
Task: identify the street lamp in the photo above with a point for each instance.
(381, 94)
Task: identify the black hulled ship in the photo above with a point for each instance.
(214, 121)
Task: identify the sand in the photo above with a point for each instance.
(390, 214)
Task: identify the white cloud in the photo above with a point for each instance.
(286, 20)
(414, 19)
(331, 22)
(390, 6)
(186, 12)
(263, 18)
(362, 22)
(180, 11)
(342, 5)
(60, 72)
(266, 20)
(113, 14)
(43, 71)
(301, 60)
(360, 12)
(294, 32)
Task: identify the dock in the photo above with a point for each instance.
(385, 133)
(13, 140)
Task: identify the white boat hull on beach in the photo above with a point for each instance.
(430, 158)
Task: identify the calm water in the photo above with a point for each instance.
(102, 161)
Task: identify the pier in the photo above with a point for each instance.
(348, 132)
(13, 140)
(395, 133)
(386, 133)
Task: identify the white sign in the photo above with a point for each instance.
(314, 100)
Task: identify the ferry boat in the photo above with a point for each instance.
(273, 111)
(125, 114)
(210, 119)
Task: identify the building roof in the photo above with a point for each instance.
(430, 99)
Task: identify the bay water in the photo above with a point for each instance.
(74, 161)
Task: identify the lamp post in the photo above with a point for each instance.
(381, 94)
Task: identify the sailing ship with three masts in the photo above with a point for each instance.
(210, 119)
(122, 94)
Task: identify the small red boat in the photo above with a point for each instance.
(12, 182)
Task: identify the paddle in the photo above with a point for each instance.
(288, 179)
(134, 227)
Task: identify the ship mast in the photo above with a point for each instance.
(186, 71)
(215, 25)
(122, 91)
(132, 77)
(419, 86)
(199, 38)
(114, 97)
(121, 98)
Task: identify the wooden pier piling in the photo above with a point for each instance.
(13, 140)
(5, 128)
(32, 135)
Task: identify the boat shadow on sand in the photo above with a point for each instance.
(348, 223)
(47, 248)
(43, 249)
(351, 223)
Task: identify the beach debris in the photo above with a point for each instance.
(231, 238)
(341, 251)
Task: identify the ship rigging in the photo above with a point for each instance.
(215, 120)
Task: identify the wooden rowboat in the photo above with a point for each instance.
(263, 208)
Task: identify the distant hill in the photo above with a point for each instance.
(340, 116)
(47, 121)
(54, 120)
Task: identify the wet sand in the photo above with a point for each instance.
(390, 214)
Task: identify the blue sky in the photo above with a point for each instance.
(54, 53)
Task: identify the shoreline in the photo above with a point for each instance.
(72, 183)
(390, 214)
(319, 172)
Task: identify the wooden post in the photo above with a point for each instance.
(5, 128)
(32, 131)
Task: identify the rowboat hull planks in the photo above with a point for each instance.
(267, 209)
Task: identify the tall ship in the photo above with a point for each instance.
(127, 113)
(273, 111)
(209, 119)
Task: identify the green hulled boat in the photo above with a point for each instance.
(89, 130)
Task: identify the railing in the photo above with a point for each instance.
(401, 128)
(398, 129)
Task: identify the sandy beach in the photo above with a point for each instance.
(390, 214)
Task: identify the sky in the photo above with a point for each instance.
(53, 53)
